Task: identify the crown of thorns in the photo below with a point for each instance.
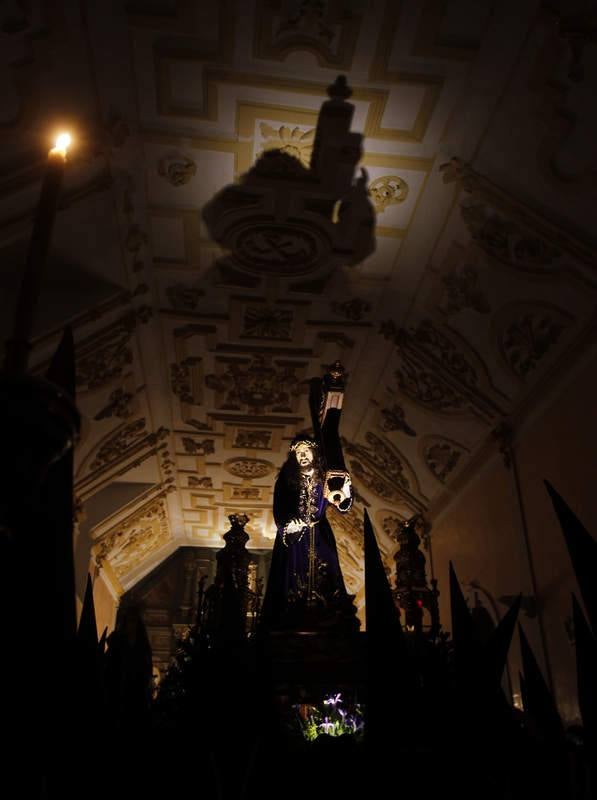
(303, 442)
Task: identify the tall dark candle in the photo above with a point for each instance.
(17, 348)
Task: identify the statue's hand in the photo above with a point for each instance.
(294, 526)
(292, 529)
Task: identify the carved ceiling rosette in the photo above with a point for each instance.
(278, 219)
(177, 169)
(442, 456)
(441, 371)
(386, 191)
(267, 322)
(294, 141)
(527, 332)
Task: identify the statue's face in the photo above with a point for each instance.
(304, 455)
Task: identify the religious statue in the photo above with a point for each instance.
(305, 576)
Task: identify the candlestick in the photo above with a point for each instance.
(17, 348)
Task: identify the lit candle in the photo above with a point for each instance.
(17, 348)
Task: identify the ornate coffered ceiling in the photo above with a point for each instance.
(193, 369)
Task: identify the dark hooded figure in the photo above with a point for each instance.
(305, 583)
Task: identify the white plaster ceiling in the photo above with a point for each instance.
(486, 264)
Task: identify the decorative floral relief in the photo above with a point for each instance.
(128, 544)
(253, 440)
(125, 437)
(440, 376)
(177, 170)
(393, 419)
(258, 386)
(294, 142)
(279, 249)
(203, 448)
(387, 191)
(372, 481)
(108, 359)
(181, 380)
(204, 482)
(462, 291)
(119, 405)
(267, 322)
(507, 241)
(528, 338)
(383, 471)
(249, 468)
(391, 525)
(442, 456)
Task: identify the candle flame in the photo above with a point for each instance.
(63, 142)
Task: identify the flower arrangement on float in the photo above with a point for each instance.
(332, 718)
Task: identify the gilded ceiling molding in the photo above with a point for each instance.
(389, 521)
(376, 99)
(116, 454)
(186, 380)
(130, 542)
(253, 439)
(120, 403)
(196, 482)
(205, 447)
(442, 456)
(106, 354)
(248, 468)
(348, 532)
(384, 471)
(527, 332)
(516, 235)
(441, 371)
(259, 386)
(327, 28)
